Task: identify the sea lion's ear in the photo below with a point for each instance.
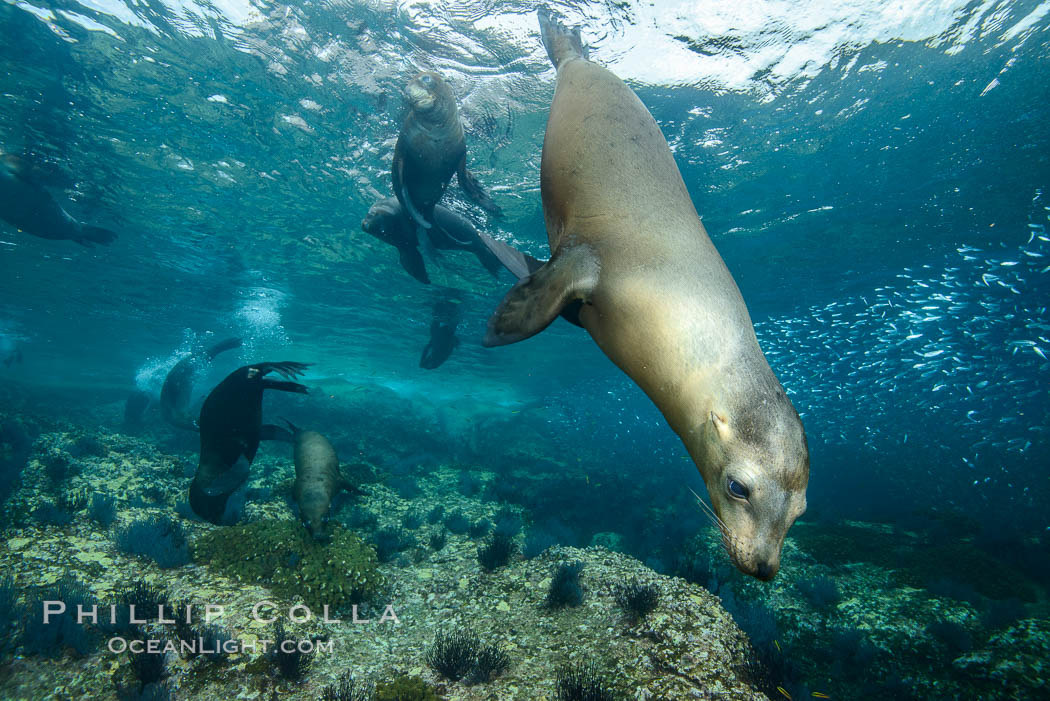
(536, 300)
(721, 425)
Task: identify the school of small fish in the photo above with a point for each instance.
(959, 349)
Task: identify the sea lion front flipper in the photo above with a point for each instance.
(536, 300)
(223, 346)
(230, 480)
(512, 259)
(90, 235)
(473, 188)
(288, 369)
(487, 258)
(401, 189)
(270, 432)
(282, 386)
(412, 261)
(347, 486)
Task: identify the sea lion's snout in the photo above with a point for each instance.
(419, 92)
(766, 570)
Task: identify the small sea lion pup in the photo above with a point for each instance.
(27, 206)
(628, 247)
(177, 389)
(387, 221)
(317, 480)
(231, 428)
(430, 148)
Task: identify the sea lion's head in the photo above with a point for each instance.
(318, 523)
(430, 96)
(756, 466)
(381, 217)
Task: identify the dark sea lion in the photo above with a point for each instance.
(177, 389)
(26, 205)
(317, 480)
(231, 428)
(442, 336)
(387, 221)
(430, 148)
(135, 409)
(628, 245)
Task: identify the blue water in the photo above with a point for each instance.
(876, 177)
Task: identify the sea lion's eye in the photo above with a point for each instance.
(426, 80)
(738, 490)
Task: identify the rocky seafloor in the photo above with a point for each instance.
(837, 621)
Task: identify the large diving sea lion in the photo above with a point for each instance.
(430, 148)
(317, 480)
(177, 389)
(27, 206)
(231, 428)
(628, 245)
(387, 221)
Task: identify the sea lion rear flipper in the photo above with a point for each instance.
(535, 301)
(473, 188)
(412, 261)
(270, 432)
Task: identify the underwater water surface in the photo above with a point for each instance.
(875, 176)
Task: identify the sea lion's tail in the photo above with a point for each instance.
(95, 234)
(561, 42)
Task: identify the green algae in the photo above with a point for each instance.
(406, 688)
(283, 556)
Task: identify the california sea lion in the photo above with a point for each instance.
(317, 480)
(430, 148)
(177, 389)
(231, 428)
(442, 336)
(386, 220)
(655, 295)
(27, 206)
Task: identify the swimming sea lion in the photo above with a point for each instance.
(135, 409)
(177, 389)
(430, 148)
(27, 206)
(386, 220)
(317, 480)
(231, 428)
(442, 336)
(655, 295)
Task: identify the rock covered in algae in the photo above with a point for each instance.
(1016, 662)
(282, 555)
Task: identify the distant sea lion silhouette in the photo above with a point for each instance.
(430, 148)
(317, 480)
(135, 409)
(387, 221)
(231, 428)
(628, 245)
(177, 389)
(26, 205)
(442, 336)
